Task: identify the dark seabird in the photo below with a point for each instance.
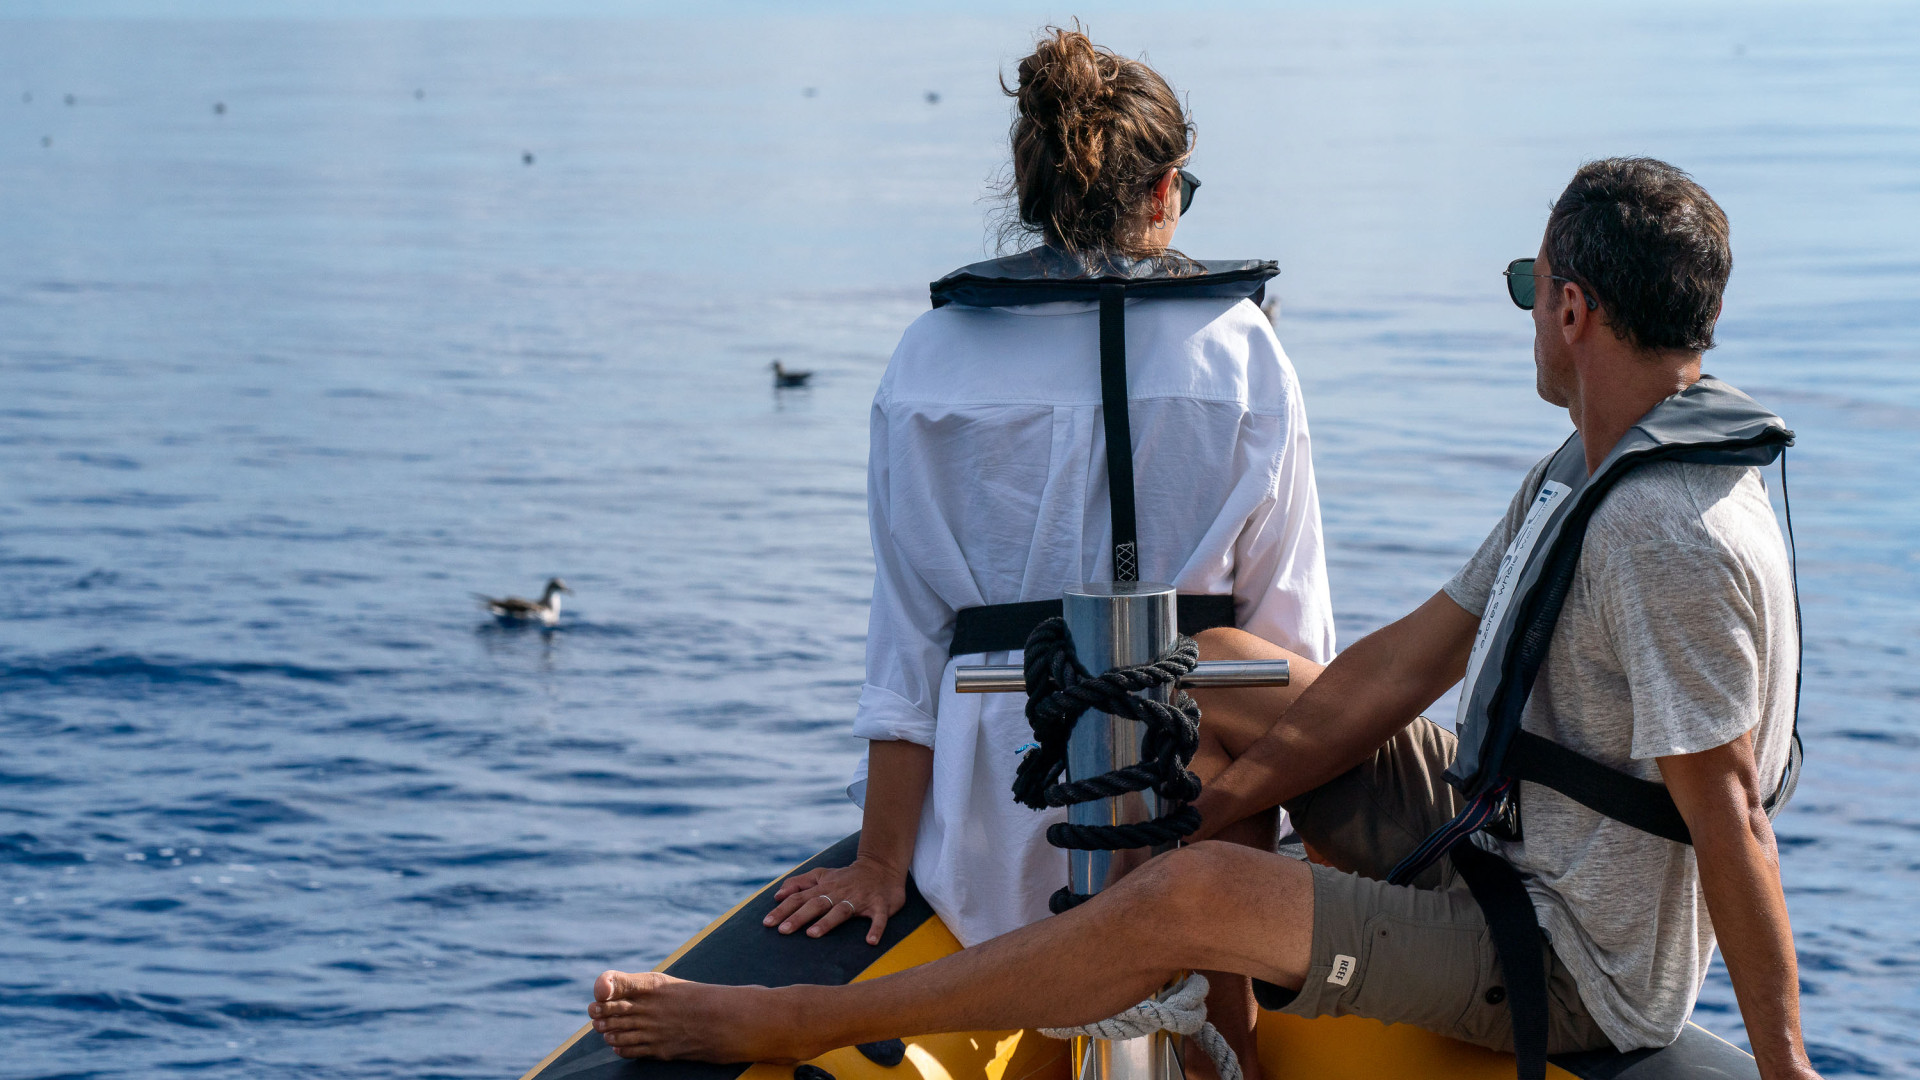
(933, 97)
(513, 609)
(526, 157)
(219, 108)
(783, 378)
(70, 99)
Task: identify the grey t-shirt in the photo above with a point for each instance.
(1678, 635)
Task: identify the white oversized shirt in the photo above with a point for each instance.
(987, 484)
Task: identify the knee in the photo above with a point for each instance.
(1179, 886)
(1230, 643)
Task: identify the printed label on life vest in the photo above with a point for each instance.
(1342, 972)
(1511, 564)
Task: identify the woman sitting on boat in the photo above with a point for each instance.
(988, 482)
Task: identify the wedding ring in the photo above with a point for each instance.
(849, 904)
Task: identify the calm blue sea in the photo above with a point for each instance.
(296, 350)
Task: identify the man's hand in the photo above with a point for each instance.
(1720, 796)
(828, 897)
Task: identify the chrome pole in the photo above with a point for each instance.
(1206, 675)
(1117, 624)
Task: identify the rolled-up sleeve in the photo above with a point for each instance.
(909, 626)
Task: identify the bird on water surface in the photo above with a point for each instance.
(784, 378)
(513, 609)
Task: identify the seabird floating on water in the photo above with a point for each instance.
(513, 609)
(783, 378)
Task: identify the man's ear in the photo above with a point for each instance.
(1575, 319)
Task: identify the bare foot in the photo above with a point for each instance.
(649, 1015)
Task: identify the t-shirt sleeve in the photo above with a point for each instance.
(1473, 585)
(1682, 622)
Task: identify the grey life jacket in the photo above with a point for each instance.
(1045, 275)
(1710, 423)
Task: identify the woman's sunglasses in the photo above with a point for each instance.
(1189, 184)
(1521, 278)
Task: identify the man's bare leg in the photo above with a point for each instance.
(1230, 721)
(1215, 907)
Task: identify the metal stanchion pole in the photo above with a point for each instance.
(1123, 624)
(1117, 624)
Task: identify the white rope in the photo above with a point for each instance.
(1184, 1012)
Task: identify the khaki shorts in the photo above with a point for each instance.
(1410, 954)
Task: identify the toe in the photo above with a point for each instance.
(625, 1038)
(620, 985)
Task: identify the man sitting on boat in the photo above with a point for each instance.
(1629, 640)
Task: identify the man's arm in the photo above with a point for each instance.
(1368, 693)
(1719, 794)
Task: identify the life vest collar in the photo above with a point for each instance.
(1048, 274)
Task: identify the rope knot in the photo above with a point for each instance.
(1059, 690)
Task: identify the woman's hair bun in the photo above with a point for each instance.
(1094, 133)
(1066, 88)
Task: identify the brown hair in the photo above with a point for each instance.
(1095, 132)
(1650, 245)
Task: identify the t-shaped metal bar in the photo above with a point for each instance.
(1206, 675)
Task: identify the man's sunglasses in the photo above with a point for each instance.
(1521, 278)
(1189, 184)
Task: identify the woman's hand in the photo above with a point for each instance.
(826, 898)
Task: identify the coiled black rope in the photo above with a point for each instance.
(1059, 690)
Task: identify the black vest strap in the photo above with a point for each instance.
(1497, 888)
(1643, 804)
(1630, 800)
(1113, 409)
(1004, 627)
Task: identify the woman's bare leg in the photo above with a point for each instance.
(1212, 906)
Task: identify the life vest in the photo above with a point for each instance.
(1046, 275)
(1708, 423)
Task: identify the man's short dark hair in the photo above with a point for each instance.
(1649, 244)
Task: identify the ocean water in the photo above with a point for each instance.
(298, 348)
